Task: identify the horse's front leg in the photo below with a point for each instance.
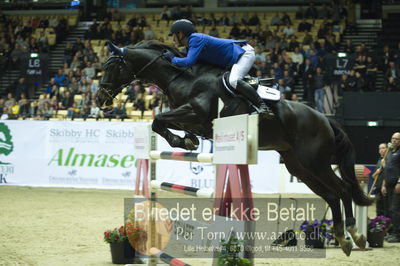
(183, 114)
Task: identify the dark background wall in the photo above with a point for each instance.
(358, 109)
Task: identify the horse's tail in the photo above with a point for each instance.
(345, 157)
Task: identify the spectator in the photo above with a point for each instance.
(78, 45)
(24, 107)
(254, 20)
(21, 88)
(67, 101)
(139, 103)
(214, 31)
(288, 31)
(392, 85)
(14, 110)
(284, 89)
(10, 101)
(225, 20)
(288, 79)
(43, 43)
(276, 20)
(259, 54)
(370, 77)
(306, 74)
(343, 84)
(314, 59)
(245, 19)
(83, 101)
(397, 55)
(119, 111)
(60, 78)
(148, 33)
(286, 19)
(392, 71)
(235, 32)
(89, 70)
(381, 201)
(47, 111)
(307, 39)
(297, 57)
(16, 56)
(165, 15)
(349, 47)
(391, 186)
(311, 11)
(33, 109)
(304, 26)
(387, 56)
(360, 82)
(246, 33)
(85, 111)
(94, 111)
(319, 84)
(278, 71)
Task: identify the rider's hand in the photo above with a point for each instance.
(383, 191)
(168, 55)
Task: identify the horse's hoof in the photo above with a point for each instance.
(175, 142)
(347, 246)
(361, 242)
(193, 138)
(189, 145)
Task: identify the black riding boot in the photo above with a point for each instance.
(251, 94)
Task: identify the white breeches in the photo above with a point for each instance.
(242, 67)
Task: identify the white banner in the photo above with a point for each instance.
(101, 155)
(68, 154)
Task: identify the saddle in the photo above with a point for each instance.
(266, 88)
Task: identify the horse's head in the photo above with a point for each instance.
(116, 76)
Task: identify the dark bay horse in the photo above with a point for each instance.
(308, 142)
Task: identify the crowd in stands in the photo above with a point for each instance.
(295, 54)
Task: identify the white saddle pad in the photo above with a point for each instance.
(268, 93)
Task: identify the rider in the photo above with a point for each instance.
(222, 52)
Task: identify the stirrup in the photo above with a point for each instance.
(264, 111)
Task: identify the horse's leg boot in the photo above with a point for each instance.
(248, 91)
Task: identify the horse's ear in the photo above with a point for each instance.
(114, 50)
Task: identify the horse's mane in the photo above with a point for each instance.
(159, 46)
(155, 45)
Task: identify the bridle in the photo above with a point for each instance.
(118, 58)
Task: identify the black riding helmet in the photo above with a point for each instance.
(182, 25)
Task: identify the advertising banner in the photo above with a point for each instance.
(101, 155)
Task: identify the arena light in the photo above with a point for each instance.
(373, 123)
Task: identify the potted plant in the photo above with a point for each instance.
(229, 255)
(121, 251)
(377, 228)
(317, 232)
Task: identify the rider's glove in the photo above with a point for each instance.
(168, 55)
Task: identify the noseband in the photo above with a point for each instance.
(118, 58)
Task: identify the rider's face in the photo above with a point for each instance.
(179, 39)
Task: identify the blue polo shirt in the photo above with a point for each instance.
(210, 50)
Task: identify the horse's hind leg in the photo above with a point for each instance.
(359, 239)
(344, 191)
(313, 179)
(183, 114)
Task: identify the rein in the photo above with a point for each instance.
(115, 58)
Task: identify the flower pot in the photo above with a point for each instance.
(375, 239)
(314, 240)
(122, 252)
